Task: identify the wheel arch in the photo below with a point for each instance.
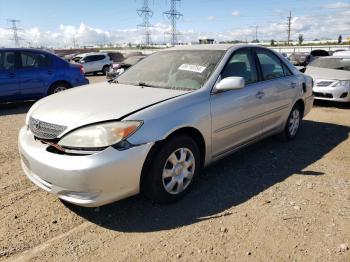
(57, 82)
(301, 103)
(192, 132)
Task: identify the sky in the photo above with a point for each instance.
(58, 23)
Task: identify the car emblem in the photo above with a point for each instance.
(36, 124)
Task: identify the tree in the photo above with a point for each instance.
(300, 39)
(340, 39)
(273, 42)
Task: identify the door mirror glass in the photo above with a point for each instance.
(230, 83)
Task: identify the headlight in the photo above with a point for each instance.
(343, 83)
(100, 135)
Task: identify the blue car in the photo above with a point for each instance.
(27, 74)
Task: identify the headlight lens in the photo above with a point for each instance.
(344, 83)
(100, 135)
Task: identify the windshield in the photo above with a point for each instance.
(176, 69)
(332, 63)
(132, 60)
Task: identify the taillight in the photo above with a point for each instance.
(81, 69)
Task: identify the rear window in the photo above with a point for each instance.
(332, 63)
(34, 60)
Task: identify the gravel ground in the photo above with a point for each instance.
(272, 201)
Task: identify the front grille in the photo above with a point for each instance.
(45, 130)
(324, 83)
(323, 95)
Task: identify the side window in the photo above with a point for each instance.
(100, 57)
(7, 60)
(241, 64)
(271, 65)
(34, 60)
(286, 70)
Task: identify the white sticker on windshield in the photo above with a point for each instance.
(192, 68)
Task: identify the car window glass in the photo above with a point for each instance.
(271, 65)
(241, 64)
(7, 60)
(332, 63)
(178, 69)
(286, 70)
(34, 60)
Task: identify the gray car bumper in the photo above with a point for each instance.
(91, 180)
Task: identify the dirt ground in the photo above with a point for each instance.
(272, 201)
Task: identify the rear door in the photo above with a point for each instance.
(236, 113)
(9, 80)
(36, 72)
(279, 89)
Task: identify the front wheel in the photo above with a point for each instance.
(293, 124)
(105, 70)
(172, 170)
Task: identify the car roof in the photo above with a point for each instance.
(26, 49)
(222, 47)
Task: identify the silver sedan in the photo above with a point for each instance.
(156, 126)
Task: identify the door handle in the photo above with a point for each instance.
(293, 85)
(260, 94)
(12, 75)
(50, 72)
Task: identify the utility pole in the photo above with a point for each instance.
(289, 24)
(256, 33)
(14, 29)
(173, 15)
(146, 13)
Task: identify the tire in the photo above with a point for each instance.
(58, 87)
(167, 172)
(105, 69)
(293, 124)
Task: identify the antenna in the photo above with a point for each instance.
(15, 30)
(289, 24)
(146, 13)
(173, 15)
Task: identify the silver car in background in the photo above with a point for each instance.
(332, 78)
(160, 122)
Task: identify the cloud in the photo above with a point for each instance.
(236, 13)
(211, 18)
(325, 27)
(337, 5)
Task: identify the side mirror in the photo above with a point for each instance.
(230, 83)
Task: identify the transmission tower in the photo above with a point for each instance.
(14, 29)
(173, 15)
(146, 13)
(289, 25)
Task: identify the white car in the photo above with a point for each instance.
(332, 78)
(94, 62)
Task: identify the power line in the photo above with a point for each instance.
(289, 24)
(173, 15)
(14, 29)
(146, 13)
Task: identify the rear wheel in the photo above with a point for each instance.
(293, 124)
(172, 170)
(59, 87)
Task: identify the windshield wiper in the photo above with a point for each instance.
(143, 84)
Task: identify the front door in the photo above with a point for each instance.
(235, 113)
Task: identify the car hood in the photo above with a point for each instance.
(98, 102)
(326, 73)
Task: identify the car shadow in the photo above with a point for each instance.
(226, 184)
(15, 108)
